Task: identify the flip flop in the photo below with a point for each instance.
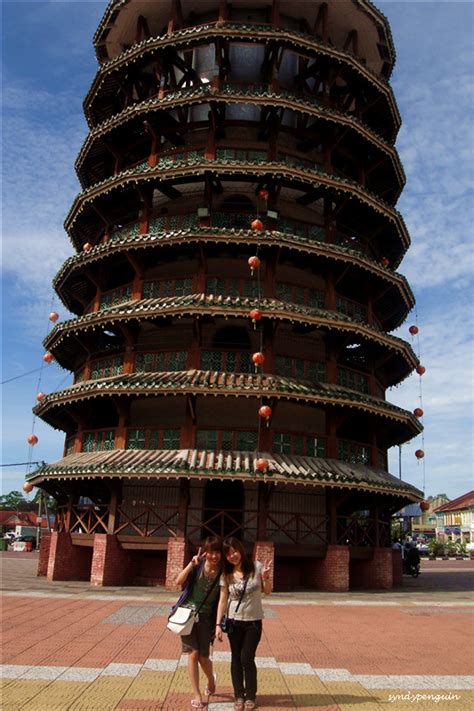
(197, 704)
(206, 690)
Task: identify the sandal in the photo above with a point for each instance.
(250, 705)
(238, 704)
(195, 704)
(207, 691)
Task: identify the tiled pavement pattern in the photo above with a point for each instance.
(67, 646)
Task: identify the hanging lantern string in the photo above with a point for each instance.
(261, 338)
(420, 397)
(38, 384)
(416, 335)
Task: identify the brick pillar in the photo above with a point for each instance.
(332, 572)
(66, 561)
(45, 545)
(382, 568)
(175, 561)
(111, 565)
(264, 551)
(376, 573)
(397, 572)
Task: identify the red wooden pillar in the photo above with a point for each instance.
(129, 360)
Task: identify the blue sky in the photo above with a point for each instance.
(48, 65)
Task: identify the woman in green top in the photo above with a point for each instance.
(201, 577)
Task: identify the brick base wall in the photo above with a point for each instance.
(68, 562)
(175, 561)
(330, 573)
(397, 570)
(45, 547)
(111, 565)
(264, 551)
(373, 574)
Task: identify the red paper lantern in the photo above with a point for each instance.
(424, 506)
(254, 263)
(257, 225)
(263, 194)
(32, 439)
(418, 412)
(385, 262)
(261, 465)
(40, 397)
(27, 487)
(53, 316)
(420, 369)
(87, 247)
(265, 412)
(258, 359)
(255, 315)
(413, 330)
(419, 454)
(48, 357)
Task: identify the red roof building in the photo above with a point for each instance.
(455, 520)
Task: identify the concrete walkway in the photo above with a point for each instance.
(69, 646)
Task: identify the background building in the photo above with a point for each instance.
(455, 520)
(233, 291)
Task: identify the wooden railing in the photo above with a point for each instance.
(162, 522)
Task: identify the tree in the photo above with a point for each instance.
(14, 501)
(50, 501)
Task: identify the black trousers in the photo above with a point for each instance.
(244, 640)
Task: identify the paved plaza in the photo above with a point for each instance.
(69, 646)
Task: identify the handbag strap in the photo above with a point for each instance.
(241, 596)
(208, 592)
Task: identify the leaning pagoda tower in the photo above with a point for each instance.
(233, 292)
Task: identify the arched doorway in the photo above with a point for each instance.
(223, 508)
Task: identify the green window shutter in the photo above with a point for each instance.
(171, 439)
(108, 440)
(206, 439)
(88, 442)
(246, 441)
(227, 441)
(246, 365)
(136, 439)
(153, 441)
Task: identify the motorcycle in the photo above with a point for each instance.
(411, 568)
(411, 563)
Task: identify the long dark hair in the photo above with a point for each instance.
(246, 563)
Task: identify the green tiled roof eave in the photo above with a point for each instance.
(223, 464)
(226, 305)
(236, 31)
(215, 383)
(199, 166)
(231, 235)
(234, 94)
